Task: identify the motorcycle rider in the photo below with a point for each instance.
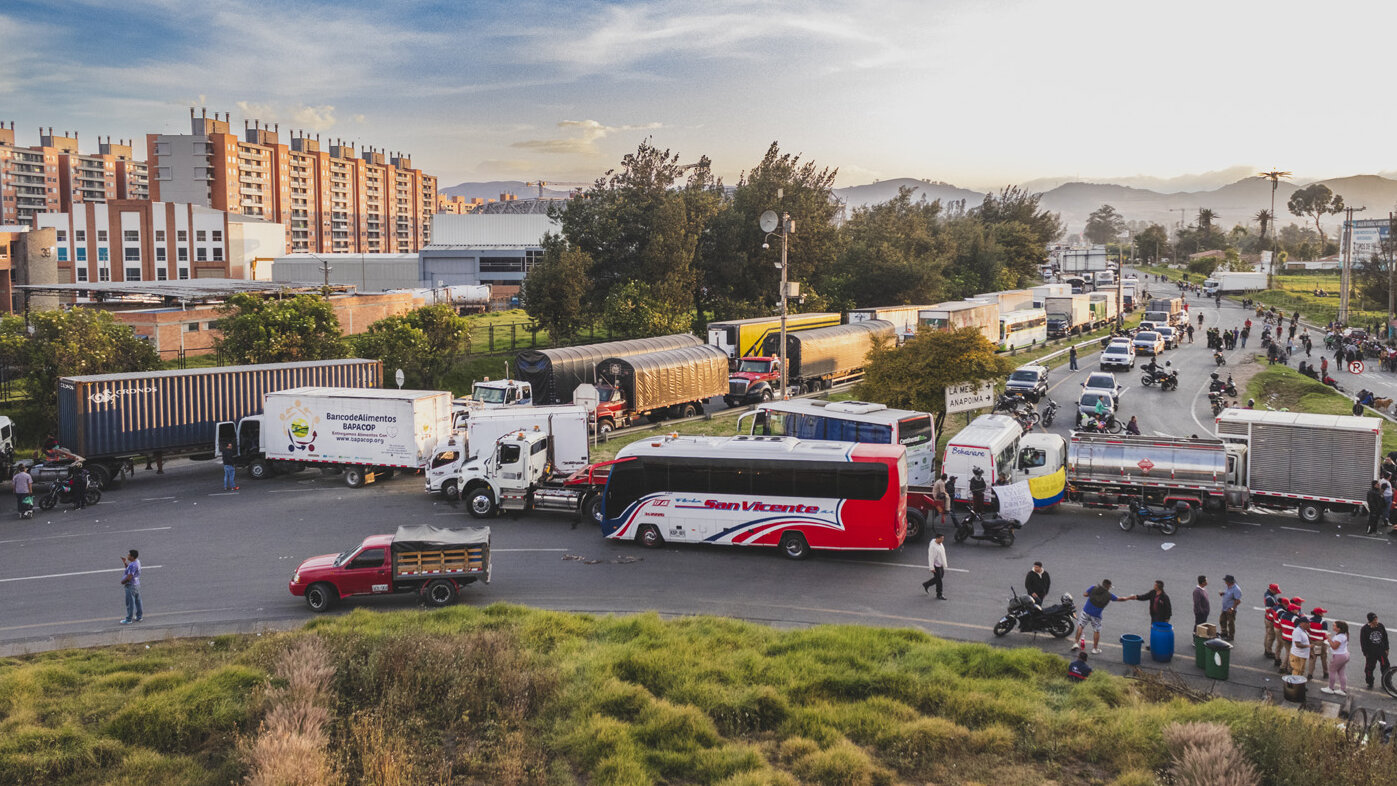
(977, 489)
(79, 476)
(1037, 583)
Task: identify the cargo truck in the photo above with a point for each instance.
(820, 358)
(958, 314)
(1130, 295)
(1067, 314)
(432, 562)
(483, 429)
(1082, 260)
(1007, 299)
(1108, 470)
(1172, 308)
(528, 470)
(675, 383)
(1104, 307)
(904, 318)
(110, 419)
(740, 338)
(554, 374)
(1042, 293)
(1227, 282)
(367, 434)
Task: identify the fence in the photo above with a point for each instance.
(503, 337)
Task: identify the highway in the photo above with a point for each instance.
(219, 560)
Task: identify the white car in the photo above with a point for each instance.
(1148, 342)
(1103, 382)
(1119, 355)
(1170, 335)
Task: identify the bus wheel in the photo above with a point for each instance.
(650, 537)
(793, 545)
(916, 525)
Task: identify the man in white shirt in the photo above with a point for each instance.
(1300, 647)
(936, 560)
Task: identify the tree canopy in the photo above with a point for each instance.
(1104, 225)
(425, 343)
(1316, 200)
(916, 375)
(258, 329)
(70, 343)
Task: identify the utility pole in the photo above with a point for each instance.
(1347, 270)
(1274, 176)
(1387, 247)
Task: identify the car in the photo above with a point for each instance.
(1148, 342)
(1086, 405)
(1103, 381)
(1118, 355)
(1030, 380)
(1170, 336)
(1148, 324)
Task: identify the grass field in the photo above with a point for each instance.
(1282, 387)
(1296, 291)
(507, 695)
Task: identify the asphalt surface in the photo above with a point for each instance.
(220, 561)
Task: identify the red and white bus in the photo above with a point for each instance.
(794, 494)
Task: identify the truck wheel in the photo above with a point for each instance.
(650, 537)
(591, 509)
(354, 477)
(730, 401)
(101, 475)
(916, 525)
(450, 490)
(766, 394)
(1311, 513)
(438, 593)
(604, 429)
(481, 503)
(321, 597)
(259, 470)
(793, 545)
(687, 411)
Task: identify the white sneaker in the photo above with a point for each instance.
(1326, 690)
(1096, 651)
(1076, 645)
(1339, 692)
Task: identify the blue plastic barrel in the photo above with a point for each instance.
(1162, 642)
(1130, 648)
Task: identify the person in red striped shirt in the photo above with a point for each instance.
(1287, 619)
(1319, 637)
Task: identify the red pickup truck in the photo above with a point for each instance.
(433, 562)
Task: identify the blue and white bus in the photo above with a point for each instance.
(851, 421)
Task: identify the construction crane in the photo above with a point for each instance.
(542, 183)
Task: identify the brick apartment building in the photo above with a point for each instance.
(54, 176)
(331, 200)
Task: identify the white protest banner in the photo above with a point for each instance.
(1015, 501)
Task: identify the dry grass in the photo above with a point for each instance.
(289, 749)
(1205, 755)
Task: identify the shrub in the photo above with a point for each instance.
(211, 707)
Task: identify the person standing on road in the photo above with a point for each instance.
(230, 468)
(977, 489)
(1374, 501)
(1098, 597)
(131, 580)
(1231, 599)
(1338, 650)
(79, 475)
(1072, 358)
(1271, 602)
(1319, 640)
(24, 487)
(1286, 618)
(1202, 609)
(1161, 608)
(936, 560)
(1037, 583)
(1372, 639)
(1300, 647)
(942, 498)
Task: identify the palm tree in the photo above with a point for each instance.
(1274, 176)
(1205, 220)
(1263, 217)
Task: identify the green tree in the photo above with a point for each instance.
(425, 343)
(1020, 230)
(1206, 216)
(916, 375)
(1316, 200)
(1263, 219)
(70, 343)
(633, 311)
(891, 253)
(1104, 225)
(258, 329)
(1152, 243)
(558, 291)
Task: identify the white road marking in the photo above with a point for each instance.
(1341, 573)
(902, 565)
(1369, 537)
(155, 499)
(88, 573)
(85, 534)
(224, 494)
(294, 491)
(501, 551)
(147, 616)
(1301, 529)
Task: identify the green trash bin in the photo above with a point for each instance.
(1200, 652)
(1219, 658)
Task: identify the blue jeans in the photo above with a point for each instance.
(229, 476)
(133, 602)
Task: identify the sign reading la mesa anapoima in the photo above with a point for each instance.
(968, 396)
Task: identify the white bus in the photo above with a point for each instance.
(793, 494)
(1023, 328)
(851, 421)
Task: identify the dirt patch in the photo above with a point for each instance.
(1242, 371)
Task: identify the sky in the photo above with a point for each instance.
(978, 93)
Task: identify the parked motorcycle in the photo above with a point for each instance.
(993, 528)
(1049, 412)
(62, 491)
(1231, 388)
(1166, 520)
(1218, 358)
(1029, 617)
(1012, 402)
(1217, 402)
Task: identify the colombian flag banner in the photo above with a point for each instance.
(1048, 490)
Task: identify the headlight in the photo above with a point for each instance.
(296, 577)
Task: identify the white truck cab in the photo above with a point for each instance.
(479, 430)
(501, 393)
(533, 470)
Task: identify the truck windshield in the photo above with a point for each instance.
(605, 393)
(754, 366)
(488, 395)
(344, 555)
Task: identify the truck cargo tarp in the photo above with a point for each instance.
(428, 538)
(556, 373)
(830, 351)
(663, 379)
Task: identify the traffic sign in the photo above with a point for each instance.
(1356, 367)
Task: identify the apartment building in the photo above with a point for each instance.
(331, 200)
(141, 240)
(55, 176)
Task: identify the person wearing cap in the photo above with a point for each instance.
(1300, 646)
(1372, 639)
(1231, 599)
(1273, 593)
(1286, 618)
(1202, 609)
(1319, 640)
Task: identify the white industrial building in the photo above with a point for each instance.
(485, 247)
(365, 272)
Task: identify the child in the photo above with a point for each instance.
(1078, 669)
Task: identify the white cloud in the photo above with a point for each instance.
(584, 138)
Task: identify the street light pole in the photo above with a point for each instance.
(785, 231)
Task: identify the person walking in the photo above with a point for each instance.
(1300, 647)
(1374, 501)
(1161, 608)
(1202, 609)
(1072, 358)
(1231, 599)
(936, 560)
(1270, 601)
(24, 489)
(131, 580)
(1037, 583)
(942, 498)
(1338, 654)
(1372, 640)
(230, 467)
(1319, 640)
(1098, 597)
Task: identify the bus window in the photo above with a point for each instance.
(689, 477)
(862, 481)
(818, 479)
(730, 478)
(914, 431)
(625, 485)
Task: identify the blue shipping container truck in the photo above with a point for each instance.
(110, 418)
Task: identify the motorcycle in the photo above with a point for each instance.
(1218, 358)
(62, 491)
(1231, 388)
(1049, 412)
(1217, 402)
(1159, 376)
(993, 528)
(1105, 424)
(1011, 402)
(1137, 512)
(1030, 617)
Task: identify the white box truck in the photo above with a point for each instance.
(367, 433)
(484, 428)
(1067, 314)
(904, 318)
(1226, 282)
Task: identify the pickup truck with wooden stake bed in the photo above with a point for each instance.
(535, 469)
(485, 427)
(369, 434)
(433, 562)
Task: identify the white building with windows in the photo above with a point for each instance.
(485, 248)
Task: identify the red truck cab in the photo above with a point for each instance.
(756, 379)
